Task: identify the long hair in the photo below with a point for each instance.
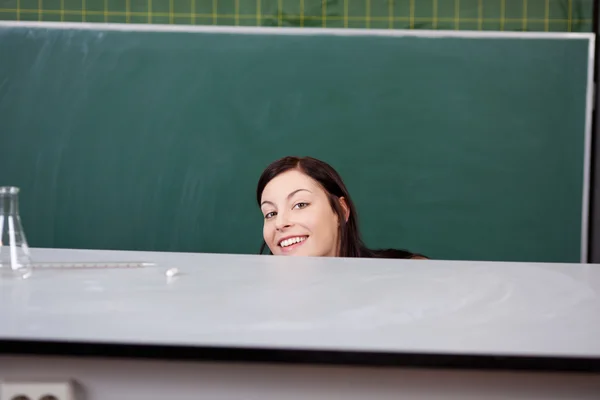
(350, 241)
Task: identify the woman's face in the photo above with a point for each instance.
(298, 219)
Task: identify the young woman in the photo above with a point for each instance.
(308, 212)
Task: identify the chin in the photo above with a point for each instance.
(295, 253)
(292, 254)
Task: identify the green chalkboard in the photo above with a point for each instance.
(459, 147)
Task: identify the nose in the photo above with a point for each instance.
(282, 221)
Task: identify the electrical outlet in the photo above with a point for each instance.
(37, 390)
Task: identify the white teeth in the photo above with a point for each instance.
(291, 241)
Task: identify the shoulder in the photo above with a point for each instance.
(394, 253)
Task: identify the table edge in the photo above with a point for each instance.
(26, 347)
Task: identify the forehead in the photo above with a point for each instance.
(285, 183)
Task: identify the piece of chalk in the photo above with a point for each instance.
(171, 272)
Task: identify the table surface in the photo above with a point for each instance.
(460, 308)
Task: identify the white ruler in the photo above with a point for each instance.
(89, 265)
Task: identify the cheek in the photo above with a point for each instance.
(269, 237)
(267, 233)
(309, 219)
(324, 224)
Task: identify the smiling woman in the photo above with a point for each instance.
(308, 212)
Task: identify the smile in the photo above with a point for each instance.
(292, 242)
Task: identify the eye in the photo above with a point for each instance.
(270, 215)
(300, 205)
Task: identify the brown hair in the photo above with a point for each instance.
(351, 244)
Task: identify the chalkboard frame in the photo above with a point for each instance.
(594, 219)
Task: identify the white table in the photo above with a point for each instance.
(241, 327)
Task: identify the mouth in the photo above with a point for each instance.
(291, 243)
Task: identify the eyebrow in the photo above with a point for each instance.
(289, 196)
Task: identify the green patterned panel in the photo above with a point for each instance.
(501, 15)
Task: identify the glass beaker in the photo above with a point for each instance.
(15, 259)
